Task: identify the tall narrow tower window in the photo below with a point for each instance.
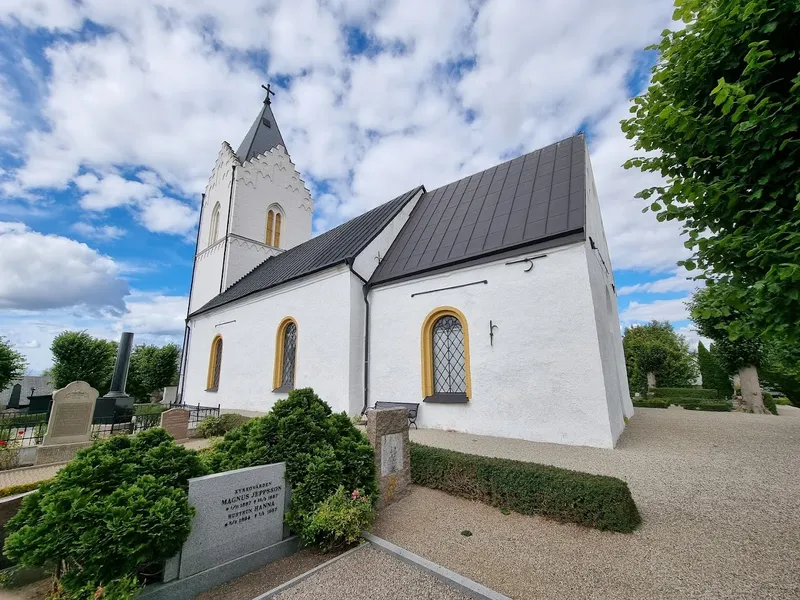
(270, 222)
(213, 231)
(277, 243)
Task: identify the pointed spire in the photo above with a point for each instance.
(264, 134)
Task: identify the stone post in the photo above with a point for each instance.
(387, 430)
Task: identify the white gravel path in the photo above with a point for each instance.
(719, 495)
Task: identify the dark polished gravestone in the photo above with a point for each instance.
(237, 527)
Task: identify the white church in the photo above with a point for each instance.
(489, 301)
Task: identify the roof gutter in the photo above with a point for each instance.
(365, 289)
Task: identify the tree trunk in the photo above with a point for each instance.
(651, 380)
(751, 389)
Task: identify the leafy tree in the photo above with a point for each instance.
(714, 375)
(657, 348)
(721, 118)
(77, 356)
(780, 368)
(742, 355)
(12, 363)
(151, 368)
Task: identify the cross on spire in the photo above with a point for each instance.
(269, 91)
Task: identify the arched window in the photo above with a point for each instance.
(285, 356)
(278, 219)
(213, 231)
(214, 365)
(270, 221)
(445, 357)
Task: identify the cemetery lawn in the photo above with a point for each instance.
(717, 492)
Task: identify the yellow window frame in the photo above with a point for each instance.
(426, 347)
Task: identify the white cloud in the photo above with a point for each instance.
(155, 314)
(167, 215)
(680, 281)
(98, 232)
(660, 310)
(50, 271)
(110, 190)
(170, 82)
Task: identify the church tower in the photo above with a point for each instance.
(255, 206)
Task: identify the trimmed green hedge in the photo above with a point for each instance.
(684, 393)
(22, 487)
(708, 406)
(654, 403)
(528, 488)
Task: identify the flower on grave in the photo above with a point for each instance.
(21, 432)
(355, 495)
(2, 443)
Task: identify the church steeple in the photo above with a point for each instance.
(264, 134)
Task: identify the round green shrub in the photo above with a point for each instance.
(218, 426)
(112, 515)
(322, 451)
(338, 520)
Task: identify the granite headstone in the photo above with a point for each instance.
(176, 422)
(387, 430)
(237, 512)
(71, 418)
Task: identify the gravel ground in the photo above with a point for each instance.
(371, 574)
(267, 577)
(718, 493)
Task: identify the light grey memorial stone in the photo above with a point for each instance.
(237, 512)
(391, 453)
(71, 417)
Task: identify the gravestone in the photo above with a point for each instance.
(71, 417)
(237, 513)
(176, 422)
(387, 430)
(170, 395)
(16, 394)
(70, 426)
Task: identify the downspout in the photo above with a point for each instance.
(182, 366)
(227, 230)
(365, 289)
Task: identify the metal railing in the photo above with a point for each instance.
(197, 413)
(22, 429)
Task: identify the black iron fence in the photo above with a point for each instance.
(22, 429)
(197, 413)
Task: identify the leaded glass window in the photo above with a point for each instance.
(449, 365)
(289, 350)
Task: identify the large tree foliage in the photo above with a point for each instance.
(77, 356)
(657, 348)
(12, 364)
(780, 368)
(715, 375)
(721, 116)
(151, 369)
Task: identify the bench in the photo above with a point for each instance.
(412, 409)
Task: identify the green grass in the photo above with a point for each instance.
(528, 488)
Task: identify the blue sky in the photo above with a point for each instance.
(112, 115)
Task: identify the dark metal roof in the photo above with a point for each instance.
(263, 136)
(531, 199)
(326, 250)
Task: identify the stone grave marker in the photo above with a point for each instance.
(176, 422)
(71, 418)
(387, 430)
(237, 513)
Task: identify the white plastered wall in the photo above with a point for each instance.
(541, 379)
(267, 180)
(209, 260)
(321, 306)
(606, 312)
